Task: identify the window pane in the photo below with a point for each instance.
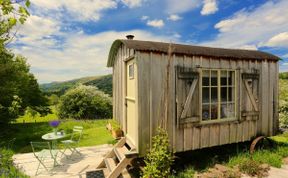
(223, 94)
(227, 110)
(223, 78)
(214, 78)
(223, 110)
(230, 93)
(205, 77)
(214, 111)
(214, 95)
(205, 95)
(205, 112)
(131, 71)
(231, 78)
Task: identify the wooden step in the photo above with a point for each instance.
(120, 152)
(110, 164)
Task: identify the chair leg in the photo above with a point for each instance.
(75, 150)
(37, 169)
(40, 162)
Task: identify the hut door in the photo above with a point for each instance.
(130, 100)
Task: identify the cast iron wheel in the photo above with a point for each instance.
(261, 142)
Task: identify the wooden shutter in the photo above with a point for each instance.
(187, 95)
(250, 95)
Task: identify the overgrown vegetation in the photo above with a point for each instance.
(159, 160)
(7, 168)
(84, 102)
(283, 102)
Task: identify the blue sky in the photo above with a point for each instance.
(67, 39)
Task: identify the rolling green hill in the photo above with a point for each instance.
(103, 83)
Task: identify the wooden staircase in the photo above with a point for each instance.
(115, 162)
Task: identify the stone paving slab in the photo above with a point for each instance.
(73, 166)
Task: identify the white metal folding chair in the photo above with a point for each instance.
(42, 151)
(73, 142)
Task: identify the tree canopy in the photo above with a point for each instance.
(12, 12)
(18, 88)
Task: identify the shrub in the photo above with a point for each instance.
(84, 102)
(283, 113)
(7, 168)
(250, 167)
(160, 158)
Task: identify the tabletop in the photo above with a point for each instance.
(53, 136)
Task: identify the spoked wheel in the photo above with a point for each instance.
(261, 142)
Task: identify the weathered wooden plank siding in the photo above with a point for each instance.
(144, 97)
(276, 99)
(151, 84)
(223, 133)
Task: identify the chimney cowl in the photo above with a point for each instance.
(130, 37)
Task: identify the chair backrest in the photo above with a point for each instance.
(38, 146)
(77, 133)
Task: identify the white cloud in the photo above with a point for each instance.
(176, 35)
(176, 6)
(279, 40)
(144, 17)
(252, 27)
(155, 23)
(132, 3)
(81, 10)
(79, 54)
(209, 7)
(285, 56)
(174, 17)
(37, 27)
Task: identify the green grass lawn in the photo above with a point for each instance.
(94, 132)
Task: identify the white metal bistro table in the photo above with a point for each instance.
(54, 137)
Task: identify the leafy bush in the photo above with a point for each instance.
(160, 158)
(7, 168)
(251, 167)
(283, 113)
(84, 102)
(283, 102)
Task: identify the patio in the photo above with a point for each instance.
(75, 166)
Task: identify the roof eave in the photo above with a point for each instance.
(113, 52)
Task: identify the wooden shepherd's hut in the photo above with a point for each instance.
(208, 96)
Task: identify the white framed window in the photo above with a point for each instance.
(218, 88)
(131, 71)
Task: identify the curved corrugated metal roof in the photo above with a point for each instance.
(192, 50)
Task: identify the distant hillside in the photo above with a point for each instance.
(103, 83)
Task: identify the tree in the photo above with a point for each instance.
(12, 13)
(84, 102)
(18, 88)
(53, 99)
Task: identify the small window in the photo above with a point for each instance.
(218, 95)
(131, 71)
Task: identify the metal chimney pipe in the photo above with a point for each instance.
(130, 37)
